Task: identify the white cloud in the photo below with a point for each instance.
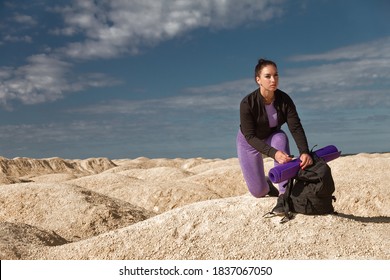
(238, 86)
(113, 28)
(45, 78)
(193, 103)
(24, 19)
(23, 38)
(352, 76)
(368, 50)
(359, 81)
(13, 27)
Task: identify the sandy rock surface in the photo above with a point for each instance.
(182, 209)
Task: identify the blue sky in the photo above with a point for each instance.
(123, 79)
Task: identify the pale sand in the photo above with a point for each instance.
(182, 209)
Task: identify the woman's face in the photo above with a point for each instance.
(268, 78)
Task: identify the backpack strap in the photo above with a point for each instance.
(286, 202)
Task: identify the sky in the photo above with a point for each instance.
(164, 79)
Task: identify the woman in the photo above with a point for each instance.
(262, 114)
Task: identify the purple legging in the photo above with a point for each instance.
(252, 165)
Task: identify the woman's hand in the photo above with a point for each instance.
(306, 160)
(282, 157)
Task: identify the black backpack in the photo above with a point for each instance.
(310, 192)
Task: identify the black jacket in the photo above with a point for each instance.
(254, 121)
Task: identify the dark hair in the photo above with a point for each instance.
(261, 64)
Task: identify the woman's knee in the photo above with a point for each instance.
(258, 186)
(280, 136)
(254, 177)
(258, 192)
(280, 141)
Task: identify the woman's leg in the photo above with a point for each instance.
(252, 166)
(279, 141)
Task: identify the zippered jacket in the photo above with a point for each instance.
(255, 127)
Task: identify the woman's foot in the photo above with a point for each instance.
(273, 191)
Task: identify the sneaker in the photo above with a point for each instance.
(279, 207)
(272, 190)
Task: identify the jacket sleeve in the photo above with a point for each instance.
(295, 126)
(248, 129)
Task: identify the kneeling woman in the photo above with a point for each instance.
(262, 114)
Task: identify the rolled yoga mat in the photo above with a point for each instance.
(288, 170)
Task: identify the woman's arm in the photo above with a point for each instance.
(248, 129)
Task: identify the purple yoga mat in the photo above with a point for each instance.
(290, 169)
